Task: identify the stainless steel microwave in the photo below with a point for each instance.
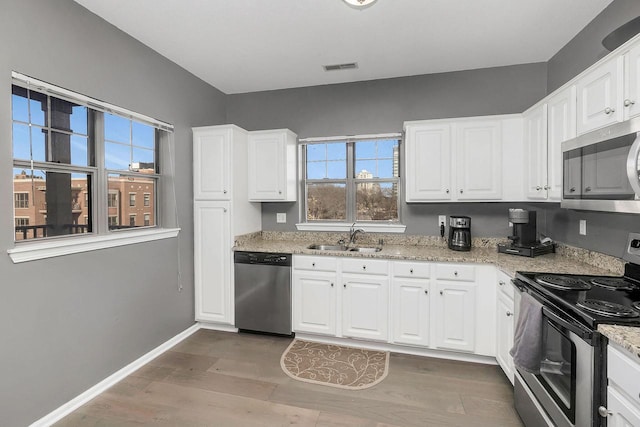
(600, 169)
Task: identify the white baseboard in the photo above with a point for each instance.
(103, 385)
(217, 327)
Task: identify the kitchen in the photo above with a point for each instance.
(42, 320)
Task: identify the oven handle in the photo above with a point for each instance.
(581, 331)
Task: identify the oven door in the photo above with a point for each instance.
(566, 384)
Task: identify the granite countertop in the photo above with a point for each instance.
(627, 337)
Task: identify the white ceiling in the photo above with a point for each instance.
(253, 45)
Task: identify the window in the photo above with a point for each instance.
(147, 220)
(352, 180)
(66, 145)
(21, 200)
(132, 220)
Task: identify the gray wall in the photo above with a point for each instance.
(67, 323)
(381, 106)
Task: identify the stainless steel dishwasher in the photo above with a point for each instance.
(263, 292)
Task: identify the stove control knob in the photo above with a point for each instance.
(604, 412)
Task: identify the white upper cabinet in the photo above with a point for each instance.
(428, 162)
(213, 161)
(599, 94)
(272, 166)
(456, 159)
(535, 149)
(561, 126)
(631, 102)
(478, 160)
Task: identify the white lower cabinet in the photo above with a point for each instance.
(504, 334)
(314, 295)
(410, 306)
(623, 391)
(454, 307)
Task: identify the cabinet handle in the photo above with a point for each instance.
(538, 188)
(461, 191)
(447, 191)
(364, 267)
(224, 210)
(332, 284)
(604, 412)
(628, 102)
(441, 293)
(609, 110)
(279, 192)
(572, 190)
(501, 283)
(313, 264)
(455, 273)
(345, 286)
(587, 189)
(546, 187)
(224, 191)
(426, 292)
(411, 271)
(509, 313)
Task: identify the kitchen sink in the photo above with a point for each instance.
(318, 247)
(365, 250)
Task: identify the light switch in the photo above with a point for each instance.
(281, 218)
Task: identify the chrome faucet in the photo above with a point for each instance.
(353, 233)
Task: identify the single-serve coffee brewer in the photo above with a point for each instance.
(460, 233)
(524, 240)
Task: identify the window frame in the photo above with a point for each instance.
(392, 226)
(101, 236)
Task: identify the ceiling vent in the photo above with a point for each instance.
(338, 67)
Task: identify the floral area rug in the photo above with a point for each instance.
(333, 365)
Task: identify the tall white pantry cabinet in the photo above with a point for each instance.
(221, 211)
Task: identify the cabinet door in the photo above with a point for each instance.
(600, 96)
(623, 412)
(272, 165)
(561, 127)
(504, 335)
(478, 160)
(212, 262)
(411, 311)
(365, 306)
(631, 101)
(211, 164)
(314, 302)
(428, 162)
(535, 153)
(454, 307)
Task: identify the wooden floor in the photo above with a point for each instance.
(225, 379)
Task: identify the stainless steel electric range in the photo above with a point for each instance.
(570, 389)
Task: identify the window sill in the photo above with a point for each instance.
(31, 251)
(340, 226)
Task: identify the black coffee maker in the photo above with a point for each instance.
(460, 233)
(524, 240)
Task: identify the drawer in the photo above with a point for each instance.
(504, 284)
(412, 269)
(365, 266)
(317, 263)
(624, 373)
(457, 272)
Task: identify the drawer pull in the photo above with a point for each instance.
(441, 293)
(364, 267)
(501, 283)
(604, 412)
(313, 264)
(411, 271)
(509, 313)
(455, 273)
(332, 284)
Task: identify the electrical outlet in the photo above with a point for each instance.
(442, 219)
(583, 227)
(281, 218)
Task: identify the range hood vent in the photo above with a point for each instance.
(338, 67)
(621, 34)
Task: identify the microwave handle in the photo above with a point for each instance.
(632, 166)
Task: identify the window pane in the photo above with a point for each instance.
(377, 201)
(131, 213)
(68, 117)
(337, 151)
(327, 161)
(79, 119)
(117, 128)
(143, 160)
(28, 111)
(51, 203)
(143, 135)
(21, 144)
(326, 202)
(39, 144)
(66, 148)
(316, 152)
(380, 158)
(117, 156)
(79, 153)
